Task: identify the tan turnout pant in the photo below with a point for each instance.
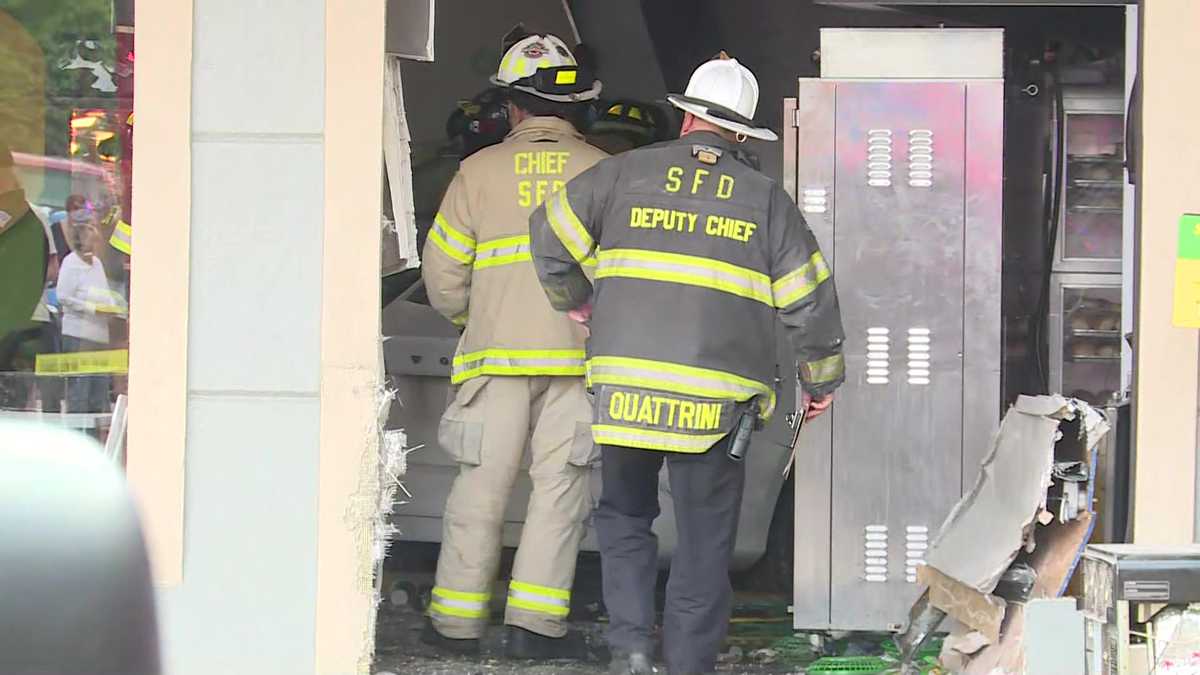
(486, 429)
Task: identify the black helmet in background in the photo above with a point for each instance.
(479, 122)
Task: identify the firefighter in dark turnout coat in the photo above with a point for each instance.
(698, 254)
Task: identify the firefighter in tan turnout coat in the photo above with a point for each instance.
(518, 370)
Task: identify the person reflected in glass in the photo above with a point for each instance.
(87, 302)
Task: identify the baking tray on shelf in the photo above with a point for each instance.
(1094, 333)
(1097, 183)
(1093, 359)
(1094, 159)
(1084, 208)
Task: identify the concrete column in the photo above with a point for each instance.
(247, 601)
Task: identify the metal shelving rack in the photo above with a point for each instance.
(1086, 345)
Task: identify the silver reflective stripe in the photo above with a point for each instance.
(568, 228)
(505, 362)
(451, 240)
(657, 439)
(688, 384)
(461, 604)
(517, 362)
(798, 284)
(537, 597)
(502, 252)
(679, 269)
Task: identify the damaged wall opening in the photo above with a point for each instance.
(1056, 298)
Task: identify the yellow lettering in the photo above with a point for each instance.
(687, 415)
(671, 404)
(673, 175)
(541, 192)
(614, 405)
(725, 187)
(698, 179)
(658, 401)
(692, 221)
(525, 163)
(710, 416)
(731, 228)
(646, 414)
(525, 193)
(629, 409)
(558, 185)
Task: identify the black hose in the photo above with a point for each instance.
(1053, 215)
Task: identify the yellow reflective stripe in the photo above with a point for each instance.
(504, 63)
(439, 608)
(503, 242)
(517, 362)
(460, 320)
(650, 439)
(798, 284)
(461, 595)
(534, 606)
(122, 238)
(445, 247)
(543, 599)
(690, 270)
(462, 237)
(462, 604)
(506, 251)
(497, 261)
(540, 590)
(567, 227)
(82, 363)
(679, 379)
(824, 370)
(453, 242)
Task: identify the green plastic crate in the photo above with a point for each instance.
(848, 665)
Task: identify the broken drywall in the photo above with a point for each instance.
(1043, 456)
(1009, 492)
(400, 251)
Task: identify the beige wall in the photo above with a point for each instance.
(158, 315)
(1166, 356)
(350, 366)
(348, 357)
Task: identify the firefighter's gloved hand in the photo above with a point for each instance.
(815, 407)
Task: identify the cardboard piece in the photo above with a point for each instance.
(980, 611)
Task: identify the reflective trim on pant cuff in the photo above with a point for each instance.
(540, 599)
(460, 604)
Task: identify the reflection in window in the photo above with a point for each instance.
(66, 235)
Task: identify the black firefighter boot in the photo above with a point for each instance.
(431, 637)
(527, 645)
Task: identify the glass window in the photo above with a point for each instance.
(66, 152)
(1095, 187)
(1092, 339)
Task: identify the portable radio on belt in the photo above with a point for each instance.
(741, 434)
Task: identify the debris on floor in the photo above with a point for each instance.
(1024, 523)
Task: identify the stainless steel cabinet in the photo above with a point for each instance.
(901, 183)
